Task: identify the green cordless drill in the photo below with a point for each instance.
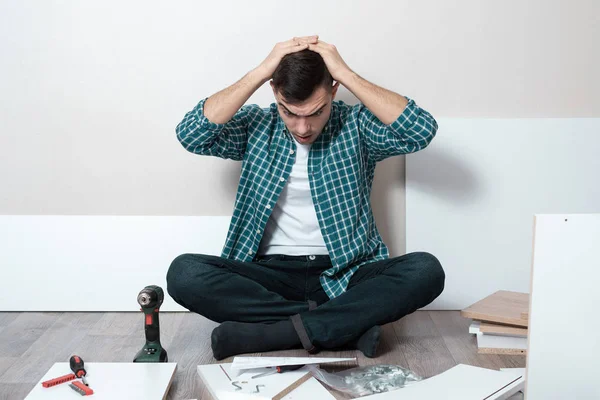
(150, 298)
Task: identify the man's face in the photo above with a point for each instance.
(306, 120)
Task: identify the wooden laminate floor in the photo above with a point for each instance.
(427, 342)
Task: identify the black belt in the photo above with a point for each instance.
(285, 257)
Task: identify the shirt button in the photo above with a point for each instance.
(291, 152)
(282, 179)
(258, 231)
(249, 252)
(311, 257)
(268, 207)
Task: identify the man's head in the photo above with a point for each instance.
(304, 92)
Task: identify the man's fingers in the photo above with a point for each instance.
(296, 48)
(321, 47)
(325, 45)
(305, 39)
(299, 43)
(312, 37)
(302, 39)
(315, 47)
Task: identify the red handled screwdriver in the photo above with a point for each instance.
(279, 370)
(76, 364)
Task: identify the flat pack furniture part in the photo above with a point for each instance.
(562, 362)
(111, 381)
(503, 307)
(489, 343)
(241, 363)
(496, 329)
(499, 329)
(135, 248)
(225, 383)
(472, 193)
(494, 344)
(520, 394)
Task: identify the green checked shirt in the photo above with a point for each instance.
(341, 166)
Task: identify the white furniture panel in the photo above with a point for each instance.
(110, 381)
(563, 319)
(472, 194)
(101, 261)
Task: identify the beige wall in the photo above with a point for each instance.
(90, 97)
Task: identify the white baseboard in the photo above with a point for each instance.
(96, 263)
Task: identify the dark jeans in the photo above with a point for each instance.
(280, 287)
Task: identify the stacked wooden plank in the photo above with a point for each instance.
(500, 322)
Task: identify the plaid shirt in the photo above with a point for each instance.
(341, 166)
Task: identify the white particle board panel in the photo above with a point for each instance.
(564, 294)
(110, 381)
(501, 342)
(472, 194)
(218, 379)
(497, 341)
(96, 263)
(519, 395)
(312, 389)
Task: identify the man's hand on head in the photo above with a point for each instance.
(270, 64)
(336, 65)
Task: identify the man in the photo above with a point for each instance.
(303, 263)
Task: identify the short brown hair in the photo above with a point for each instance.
(299, 74)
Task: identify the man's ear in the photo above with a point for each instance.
(334, 90)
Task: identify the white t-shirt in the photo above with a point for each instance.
(293, 228)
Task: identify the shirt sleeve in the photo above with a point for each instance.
(198, 135)
(412, 131)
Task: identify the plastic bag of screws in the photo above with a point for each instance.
(366, 380)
